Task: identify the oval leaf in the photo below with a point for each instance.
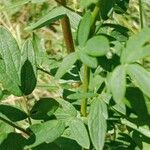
(137, 47)
(88, 60)
(44, 108)
(79, 133)
(46, 132)
(67, 107)
(13, 113)
(84, 29)
(118, 83)
(97, 46)
(28, 68)
(140, 77)
(10, 62)
(97, 123)
(66, 64)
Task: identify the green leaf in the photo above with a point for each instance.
(80, 95)
(67, 107)
(120, 107)
(16, 4)
(12, 113)
(137, 47)
(118, 83)
(79, 133)
(46, 132)
(5, 130)
(140, 77)
(13, 141)
(54, 15)
(84, 29)
(46, 146)
(97, 46)
(106, 8)
(40, 51)
(97, 123)
(9, 84)
(4, 94)
(66, 64)
(142, 129)
(146, 146)
(44, 108)
(139, 103)
(11, 54)
(28, 68)
(88, 60)
(86, 3)
(94, 85)
(10, 62)
(66, 143)
(121, 6)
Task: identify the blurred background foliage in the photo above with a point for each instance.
(18, 14)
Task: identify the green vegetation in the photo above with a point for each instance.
(74, 75)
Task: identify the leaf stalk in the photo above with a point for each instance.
(15, 126)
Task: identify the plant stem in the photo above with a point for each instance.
(86, 75)
(94, 15)
(14, 125)
(141, 14)
(66, 28)
(86, 72)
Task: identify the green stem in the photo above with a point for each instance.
(86, 72)
(86, 75)
(141, 14)
(94, 15)
(14, 125)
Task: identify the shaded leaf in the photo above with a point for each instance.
(14, 141)
(106, 8)
(46, 146)
(140, 77)
(121, 6)
(139, 104)
(44, 108)
(66, 143)
(12, 113)
(28, 68)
